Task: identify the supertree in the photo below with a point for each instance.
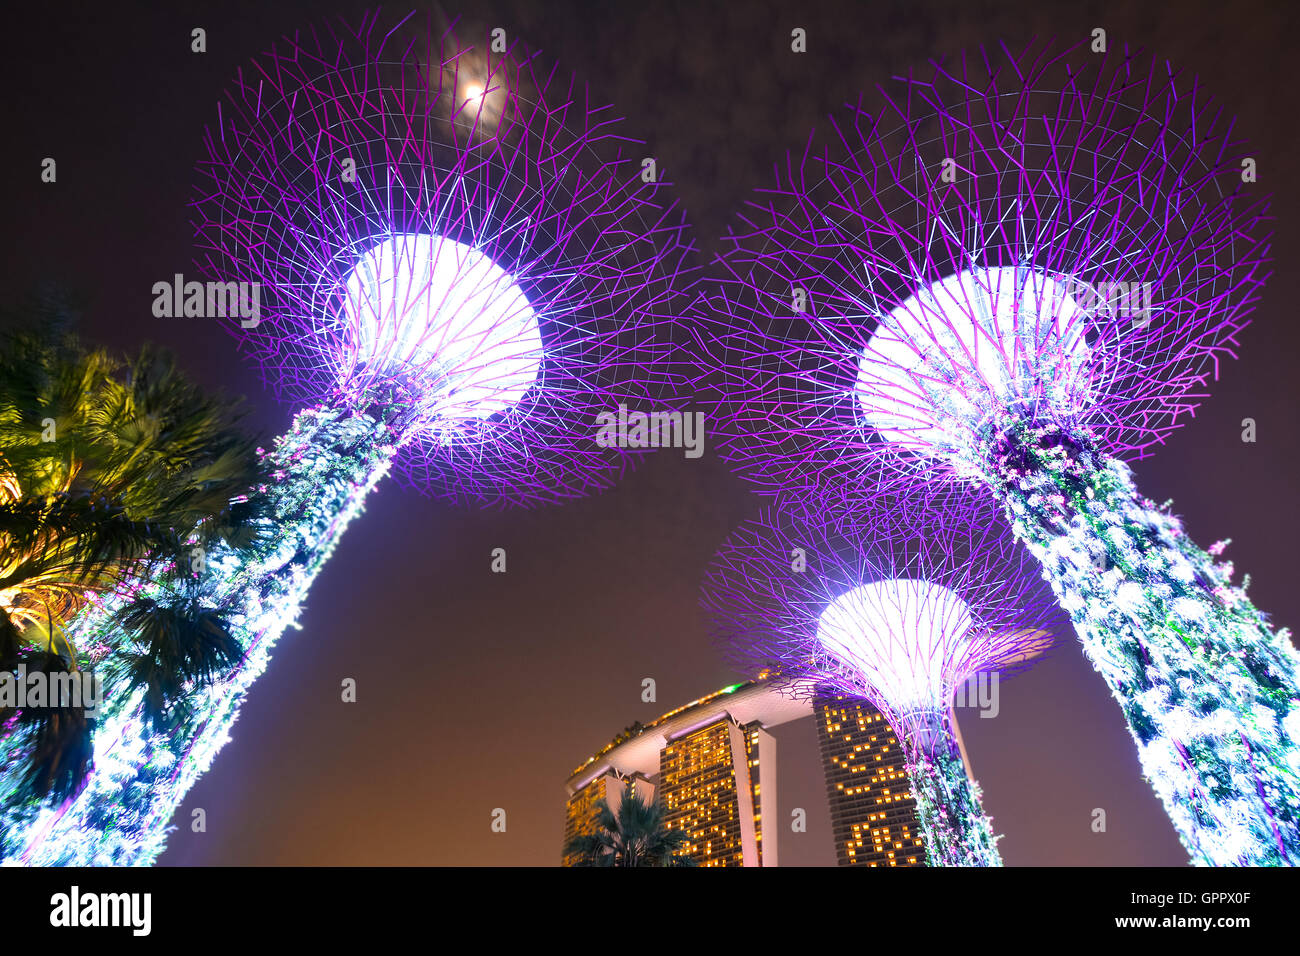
(1019, 272)
(454, 264)
(901, 607)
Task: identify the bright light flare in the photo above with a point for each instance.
(958, 350)
(1013, 236)
(900, 634)
(446, 318)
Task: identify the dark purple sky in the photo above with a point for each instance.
(480, 690)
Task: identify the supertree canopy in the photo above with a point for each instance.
(902, 608)
(454, 263)
(1021, 270)
(458, 242)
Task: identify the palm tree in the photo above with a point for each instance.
(111, 473)
(636, 836)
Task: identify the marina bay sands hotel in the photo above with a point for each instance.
(713, 763)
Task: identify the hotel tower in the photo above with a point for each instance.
(713, 763)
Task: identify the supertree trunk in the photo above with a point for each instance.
(1208, 689)
(321, 473)
(495, 275)
(955, 829)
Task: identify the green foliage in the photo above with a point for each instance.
(1208, 688)
(176, 645)
(110, 471)
(61, 745)
(636, 836)
(315, 479)
(949, 806)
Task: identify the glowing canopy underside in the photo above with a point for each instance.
(447, 320)
(902, 635)
(954, 352)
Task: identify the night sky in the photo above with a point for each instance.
(481, 690)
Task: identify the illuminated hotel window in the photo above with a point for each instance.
(866, 784)
(698, 786)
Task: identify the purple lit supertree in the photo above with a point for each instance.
(457, 242)
(449, 259)
(901, 607)
(1020, 271)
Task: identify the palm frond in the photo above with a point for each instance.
(637, 835)
(59, 737)
(177, 646)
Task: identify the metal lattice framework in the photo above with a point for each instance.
(420, 215)
(766, 603)
(1053, 233)
(459, 266)
(1022, 270)
(901, 607)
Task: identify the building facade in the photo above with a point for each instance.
(713, 763)
(705, 788)
(581, 809)
(873, 812)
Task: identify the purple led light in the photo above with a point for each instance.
(901, 604)
(458, 241)
(1054, 235)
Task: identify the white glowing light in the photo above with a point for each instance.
(1129, 596)
(957, 350)
(442, 315)
(269, 599)
(902, 637)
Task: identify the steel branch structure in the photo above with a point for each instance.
(1022, 269)
(902, 607)
(454, 265)
(459, 240)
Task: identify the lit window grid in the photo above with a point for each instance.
(873, 810)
